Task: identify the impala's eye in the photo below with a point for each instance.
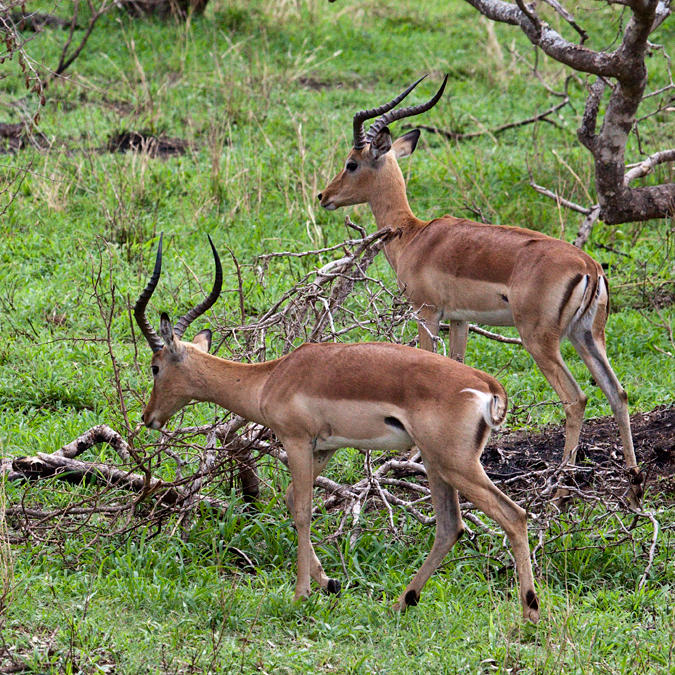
(352, 166)
(154, 370)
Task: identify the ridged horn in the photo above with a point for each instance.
(197, 311)
(394, 115)
(151, 336)
(363, 115)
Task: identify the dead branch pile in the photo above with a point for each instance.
(193, 467)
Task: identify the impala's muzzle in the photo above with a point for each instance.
(328, 205)
(326, 198)
(151, 422)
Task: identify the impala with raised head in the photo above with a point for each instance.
(456, 270)
(322, 397)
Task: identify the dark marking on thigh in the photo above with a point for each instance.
(481, 431)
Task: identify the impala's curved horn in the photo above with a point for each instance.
(197, 311)
(393, 115)
(151, 336)
(363, 115)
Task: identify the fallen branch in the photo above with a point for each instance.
(493, 336)
(652, 548)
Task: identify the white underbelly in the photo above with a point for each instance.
(397, 440)
(495, 317)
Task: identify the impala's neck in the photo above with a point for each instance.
(234, 386)
(391, 209)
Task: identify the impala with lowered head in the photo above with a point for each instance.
(322, 397)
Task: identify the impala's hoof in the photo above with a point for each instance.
(531, 607)
(531, 615)
(637, 488)
(333, 587)
(410, 599)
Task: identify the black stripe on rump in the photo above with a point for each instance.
(571, 285)
(481, 431)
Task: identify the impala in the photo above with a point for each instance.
(455, 270)
(322, 397)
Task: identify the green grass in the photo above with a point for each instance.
(234, 84)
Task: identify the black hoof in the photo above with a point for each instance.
(334, 587)
(531, 599)
(411, 598)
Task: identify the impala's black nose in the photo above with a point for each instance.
(319, 196)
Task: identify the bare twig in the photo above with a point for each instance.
(461, 136)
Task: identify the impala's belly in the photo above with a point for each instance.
(361, 424)
(393, 441)
(493, 317)
(462, 299)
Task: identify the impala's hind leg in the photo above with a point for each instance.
(590, 345)
(546, 354)
(472, 481)
(449, 528)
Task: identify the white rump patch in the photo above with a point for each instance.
(490, 406)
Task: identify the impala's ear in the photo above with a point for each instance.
(203, 340)
(381, 144)
(406, 145)
(166, 331)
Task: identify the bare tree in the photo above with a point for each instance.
(622, 73)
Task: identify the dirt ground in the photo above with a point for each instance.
(510, 455)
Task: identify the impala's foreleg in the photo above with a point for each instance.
(428, 327)
(459, 336)
(449, 528)
(300, 507)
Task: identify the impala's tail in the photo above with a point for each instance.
(493, 406)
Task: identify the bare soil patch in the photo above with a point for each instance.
(318, 85)
(511, 455)
(15, 137)
(141, 141)
(36, 21)
(164, 9)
